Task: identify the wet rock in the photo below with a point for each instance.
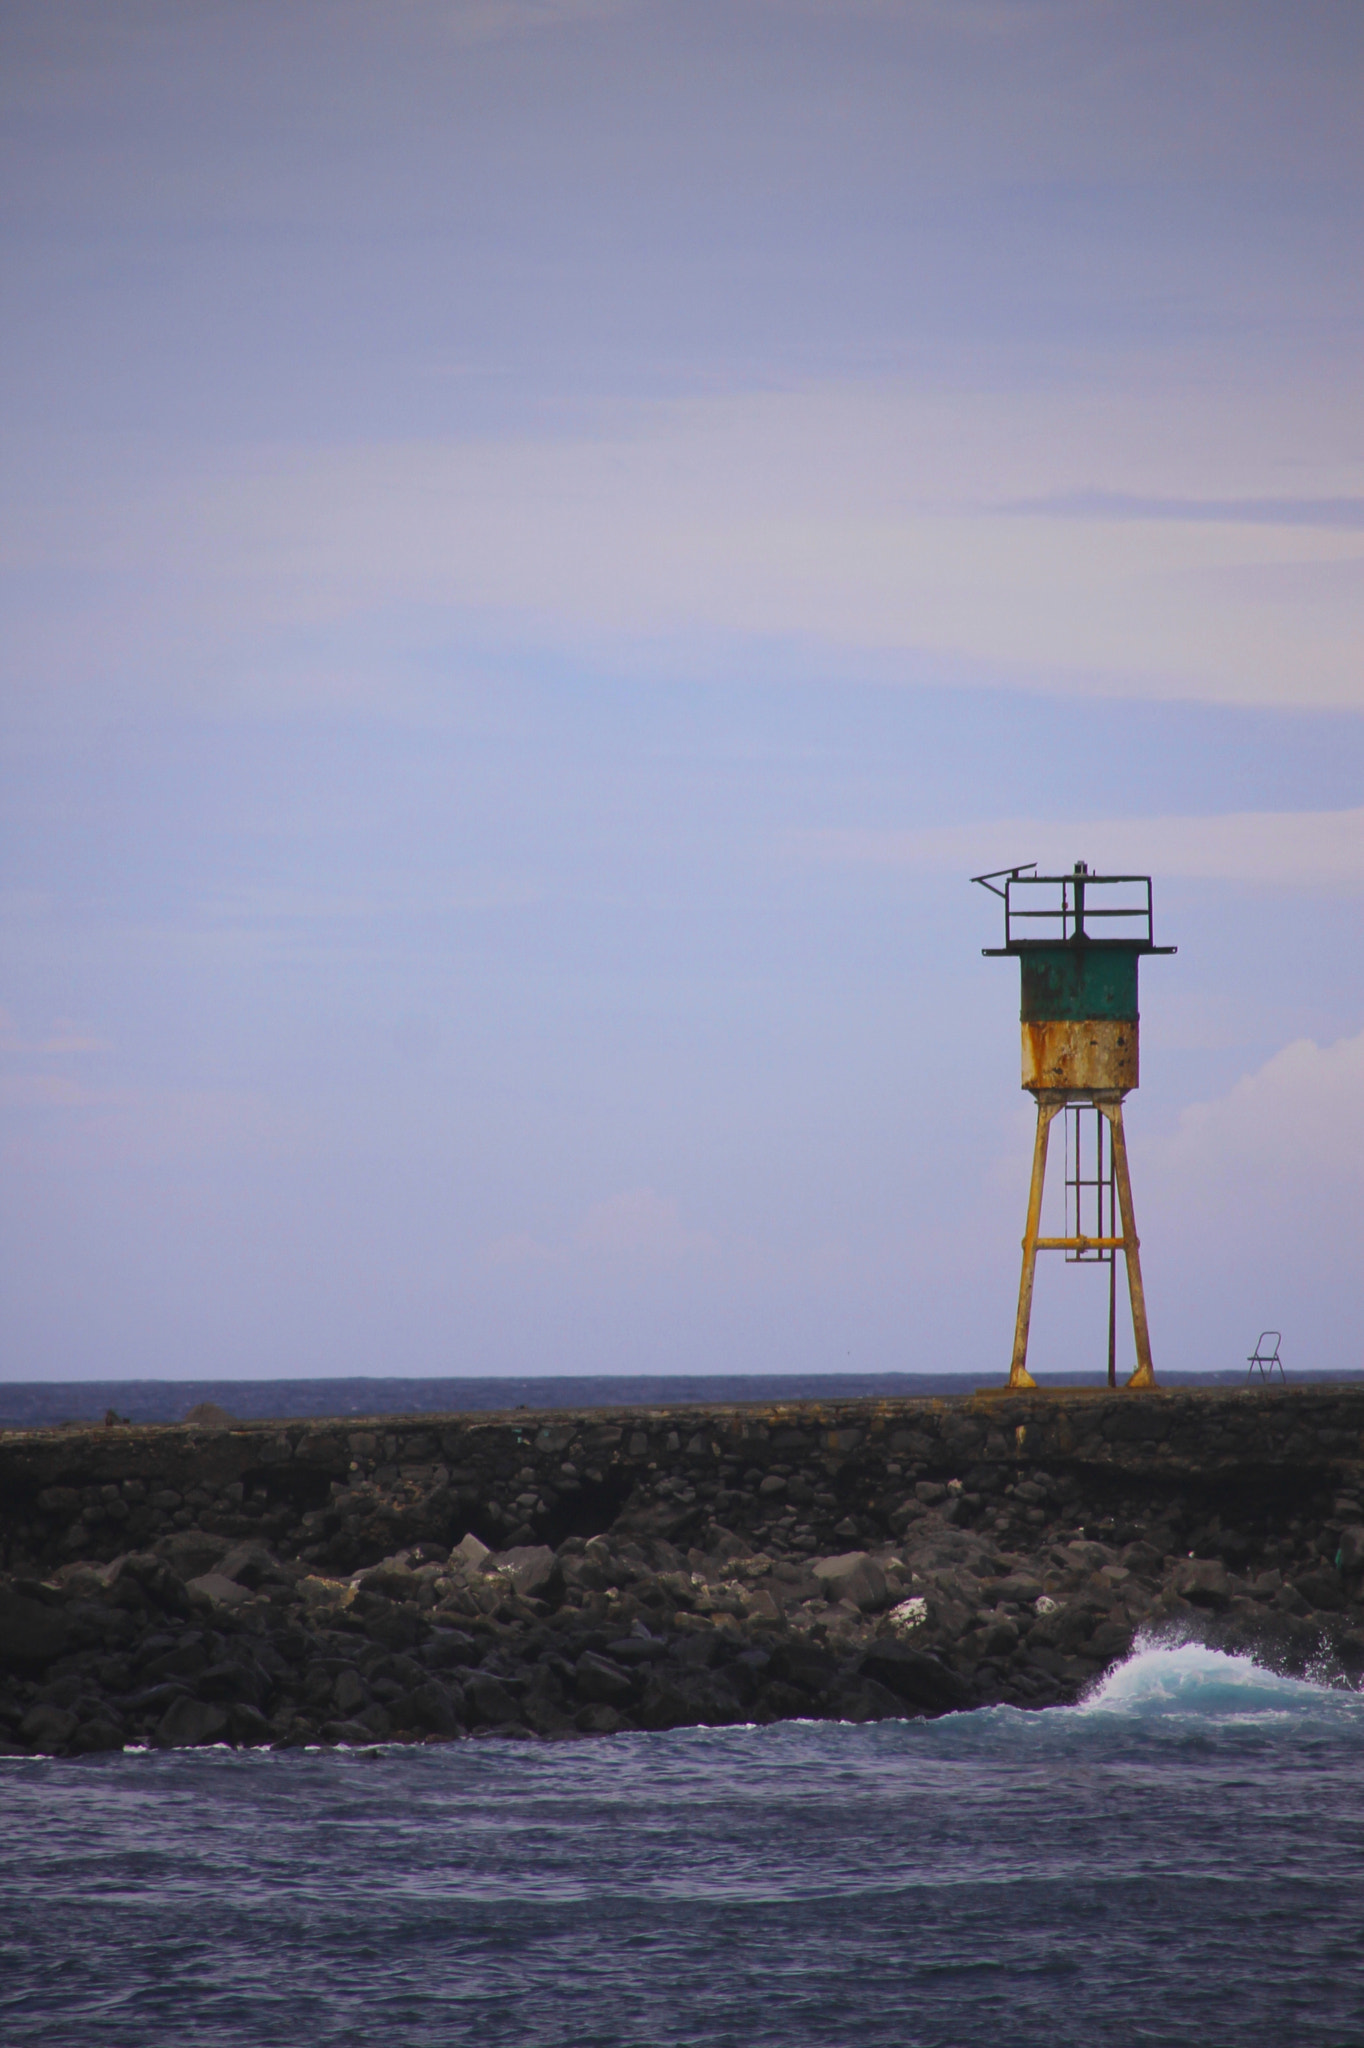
(246, 1727)
(780, 1702)
(191, 1552)
(1204, 1581)
(632, 1651)
(853, 1576)
(349, 1693)
(687, 1697)
(1321, 1588)
(544, 1705)
(394, 1627)
(864, 1699)
(448, 1649)
(251, 1565)
(723, 1633)
(32, 1635)
(152, 1580)
(188, 1723)
(48, 1728)
(232, 1682)
(601, 1719)
(1000, 1639)
(914, 1677)
(597, 1678)
(99, 1733)
(487, 1701)
(1017, 1586)
(390, 1581)
(529, 1570)
(431, 1709)
(154, 1699)
(347, 1734)
(218, 1587)
(806, 1665)
(1110, 1640)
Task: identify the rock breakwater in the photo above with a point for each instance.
(570, 1573)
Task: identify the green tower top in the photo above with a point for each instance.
(1078, 938)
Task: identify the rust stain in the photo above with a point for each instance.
(1094, 1052)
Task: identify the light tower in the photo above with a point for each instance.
(1078, 939)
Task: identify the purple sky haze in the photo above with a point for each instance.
(542, 543)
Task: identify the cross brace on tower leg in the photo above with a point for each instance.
(1048, 1108)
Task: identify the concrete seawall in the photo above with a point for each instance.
(346, 1494)
(409, 1576)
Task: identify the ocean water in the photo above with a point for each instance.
(32, 1404)
(1180, 1859)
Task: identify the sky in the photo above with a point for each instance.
(542, 543)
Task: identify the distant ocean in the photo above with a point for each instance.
(1175, 1863)
(36, 1403)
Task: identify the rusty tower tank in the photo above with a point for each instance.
(1078, 939)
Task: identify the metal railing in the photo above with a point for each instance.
(1041, 910)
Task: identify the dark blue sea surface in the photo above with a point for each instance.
(35, 1404)
(1181, 1859)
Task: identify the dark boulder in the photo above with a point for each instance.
(349, 1734)
(529, 1569)
(1321, 1588)
(864, 1699)
(686, 1697)
(101, 1732)
(803, 1663)
(154, 1699)
(393, 1627)
(631, 1651)
(184, 1658)
(187, 1723)
(189, 1552)
(780, 1702)
(48, 1728)
(246, 1727)
(600, 1719)
(487, 1700)
(349, 1693)
(449, 1649)
(1204, 1581)
(32, 1634)
(429, 1709)
(1111, 1639)
(914, 1677)
(597, 1678)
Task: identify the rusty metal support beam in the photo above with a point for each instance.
(1144, 1376)
(1128, 1244)
(1082, 1244)
(1019, 1376)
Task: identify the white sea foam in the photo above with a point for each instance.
(1190, 1679)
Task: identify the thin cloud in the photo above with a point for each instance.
(66, 1036)
(1266, 849)
(1341, 514)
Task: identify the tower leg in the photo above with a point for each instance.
(1019, 1376)
(1144, 1376)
